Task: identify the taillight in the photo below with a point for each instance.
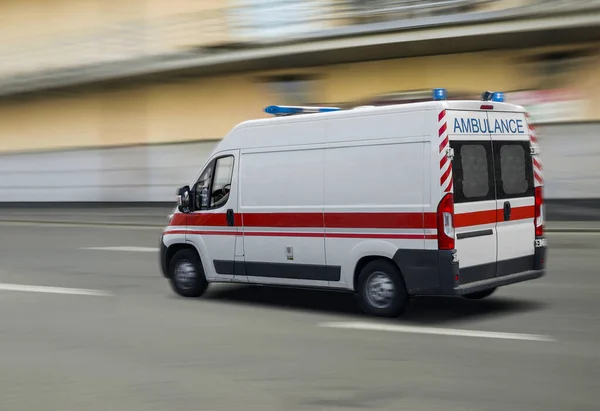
(445, 223)
(539, 212)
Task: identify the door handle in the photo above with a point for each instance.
(507, 211)
(230, 218)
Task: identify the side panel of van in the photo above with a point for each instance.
(282, 215)
(374, 194)
(374, 203)
(474, 194)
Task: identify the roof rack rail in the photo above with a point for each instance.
(291, 110)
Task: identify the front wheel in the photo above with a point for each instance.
(186, 274)
(480, 294)
(381, 289)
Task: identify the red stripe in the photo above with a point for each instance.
(281, 234)
(538, 178)
(444, 176)
(179, 219)
(443, 129)
(449, 188)
(175, 232)
(206, 219)
(443, 162)
(283, 220)
(441, 115)
(443, 144)
(475, 218)
(311, 235)
(202, 232)
(533, 139)
(518, 213)
(537, 164)
(345, 220)
(493, 216)
(430, 220)
(374, 220)
(390, 236)
(309, 220)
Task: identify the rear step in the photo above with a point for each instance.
(497, 282)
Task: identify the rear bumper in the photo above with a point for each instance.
(507, 272)
(433, 272)
(497, 282)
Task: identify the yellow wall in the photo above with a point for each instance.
(206, 108)
(199, 109)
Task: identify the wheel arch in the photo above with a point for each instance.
(364, 261)
(174, 248)
(365, 252)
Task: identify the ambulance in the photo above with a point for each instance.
(433, 198)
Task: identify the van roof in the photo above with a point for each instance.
(230, 142)
(467, 105)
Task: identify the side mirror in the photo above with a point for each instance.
(183, 199)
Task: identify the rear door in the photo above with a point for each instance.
(515, 192)
(474, 194)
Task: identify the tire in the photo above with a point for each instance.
(480, 294)
(373, 281)
(190, 281)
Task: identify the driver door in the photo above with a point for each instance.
(214, 225)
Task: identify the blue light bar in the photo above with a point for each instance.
(439, 94)
(498, 97)
(289, 110)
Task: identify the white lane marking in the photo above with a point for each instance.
(54, 290)
(42, 224)
(436, 331)
(126, 248)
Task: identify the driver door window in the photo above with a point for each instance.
(213, 186)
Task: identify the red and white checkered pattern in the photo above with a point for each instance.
(538, 175)
(444, 145)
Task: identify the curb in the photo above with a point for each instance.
(141, 225)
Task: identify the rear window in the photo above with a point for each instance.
(473, 171)
(514, 170)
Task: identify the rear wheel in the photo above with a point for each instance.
(186, 274)
(381, 289)
(480, 294)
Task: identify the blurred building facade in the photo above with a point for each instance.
(136, 76)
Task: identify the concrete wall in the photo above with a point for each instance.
(153, 173)
(142, 173)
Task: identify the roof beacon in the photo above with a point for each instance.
(291, 110)
(439, 94)
(496, 96)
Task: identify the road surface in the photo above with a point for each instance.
(88, 323)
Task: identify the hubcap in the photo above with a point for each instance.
(380, 289)
(185, 275)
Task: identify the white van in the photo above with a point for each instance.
(434, 198)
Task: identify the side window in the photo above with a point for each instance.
(201, 200)
(222, 182)
(473, 171)
(514, 170)
(214, 185)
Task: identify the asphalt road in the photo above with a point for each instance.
(136, 346)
